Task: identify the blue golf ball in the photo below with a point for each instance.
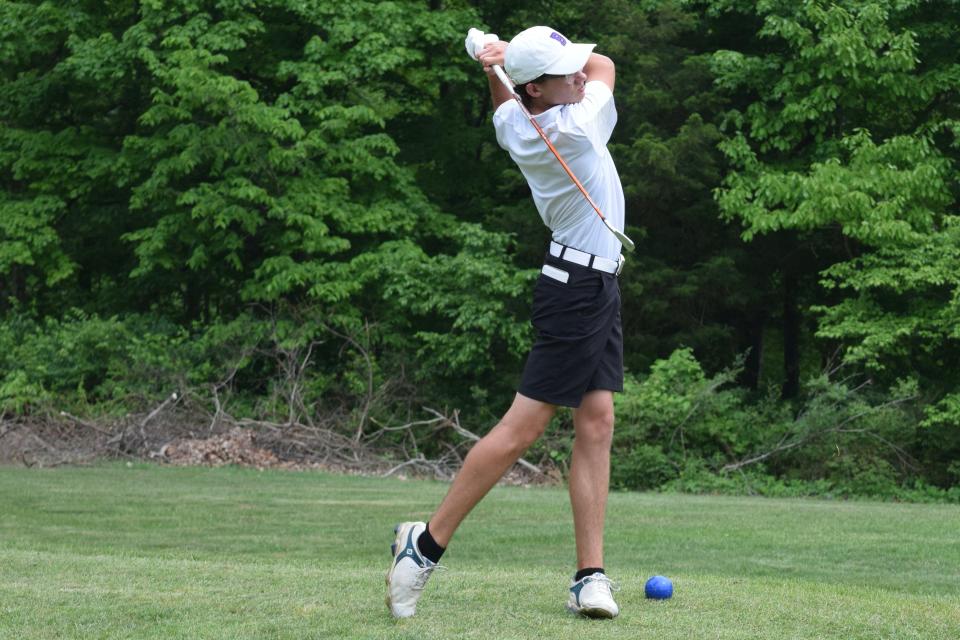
(658, 588)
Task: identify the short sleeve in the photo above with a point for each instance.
(505, 109)
(502, 121)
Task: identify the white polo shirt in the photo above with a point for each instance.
(580, 132)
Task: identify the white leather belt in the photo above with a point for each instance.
(585, 259)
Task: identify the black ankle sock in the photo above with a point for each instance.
(428, 547)
(583, 573)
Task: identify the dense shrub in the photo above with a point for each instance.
(681, 429)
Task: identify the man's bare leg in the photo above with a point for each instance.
(488, 460)
(590, 474)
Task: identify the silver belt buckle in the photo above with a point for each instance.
(620, 262)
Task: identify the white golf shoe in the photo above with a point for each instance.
(593, 597)
(409, 572)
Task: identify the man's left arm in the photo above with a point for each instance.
(600, 67)
(595, 116)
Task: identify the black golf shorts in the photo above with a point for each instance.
(579, 345)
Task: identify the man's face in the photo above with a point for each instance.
(566, 89)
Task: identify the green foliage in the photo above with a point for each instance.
(460, 334)
(677, 413)
(680, 429)
(642, 467)
(846, 129)
(186, 159)
(240, 146)
(87, 359)
(905, 302)
(945, 412)
(687, 412)
(302, 207)
(696, 477)
(888, 194)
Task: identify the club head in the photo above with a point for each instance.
(625, 241)
(621, 236)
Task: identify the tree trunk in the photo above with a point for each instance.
(750, 377)
(191, 301)
(791, 338)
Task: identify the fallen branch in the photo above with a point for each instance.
(84, 423)
(121, 437)
(417, 460)
(455, 425)
(786, 444)
(46, 445)
(163, 405)
(779, 448)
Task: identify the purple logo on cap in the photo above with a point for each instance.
(559, 38)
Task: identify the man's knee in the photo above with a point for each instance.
(522, 434)
(525, 421)
(595, 428)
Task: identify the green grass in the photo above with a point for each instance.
(158, 552)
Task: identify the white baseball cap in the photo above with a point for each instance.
(540, 50)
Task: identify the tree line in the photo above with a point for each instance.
(301, 207)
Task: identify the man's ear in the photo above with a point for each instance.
(533, 90)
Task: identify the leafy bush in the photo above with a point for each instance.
(120, 362)
(679, 429)
(86, 359)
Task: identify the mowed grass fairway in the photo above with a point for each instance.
(160, 552)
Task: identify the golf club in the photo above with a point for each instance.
(475, 42)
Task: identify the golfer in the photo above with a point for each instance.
(577, 360)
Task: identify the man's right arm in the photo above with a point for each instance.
(493, 54)
(600, 67)
(498, 91)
